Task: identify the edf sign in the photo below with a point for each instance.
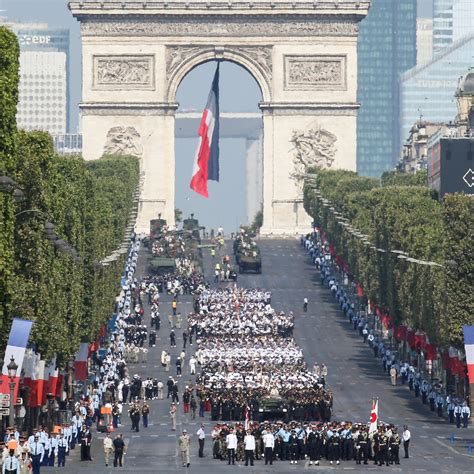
(28, 40)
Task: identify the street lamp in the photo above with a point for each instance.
(12, 367)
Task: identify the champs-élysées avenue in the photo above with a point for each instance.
(236, 234)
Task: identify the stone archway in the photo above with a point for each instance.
(303, 55)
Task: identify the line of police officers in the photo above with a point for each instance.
(310, 442)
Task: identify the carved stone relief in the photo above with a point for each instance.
(123, 141)
(315, 72)
(177, 55)
(259, 55)
(312, 147)
(220, 27)
(124, 72)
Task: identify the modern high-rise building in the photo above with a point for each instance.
(463, 19)
(452, 20)
(44, 77)
(442, 24)
(427, 91)
(424, 40)
(386, 48)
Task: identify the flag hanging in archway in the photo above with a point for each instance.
(206, 160)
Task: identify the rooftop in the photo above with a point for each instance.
(349, 6)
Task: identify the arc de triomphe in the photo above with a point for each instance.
(303, 55)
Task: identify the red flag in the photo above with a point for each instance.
(206, 160)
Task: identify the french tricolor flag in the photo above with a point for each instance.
(16, 348)
(206, 160)
(80, 363)
(469, 349)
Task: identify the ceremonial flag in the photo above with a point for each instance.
(51, 378)
(247, 418)
(374, 416)
(206, 160)
(16, 348)
(38, 383)
(469, 349)
(80, 363)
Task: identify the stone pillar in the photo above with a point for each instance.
(148, 132)
(254, 171)
(158, 173)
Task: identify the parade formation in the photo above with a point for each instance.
(330, 326)
(242, 368)
(248, 357)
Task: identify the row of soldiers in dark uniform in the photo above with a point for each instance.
(333, 442)
(299, 404)
(136, 335)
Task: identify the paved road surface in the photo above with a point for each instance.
(325, 336)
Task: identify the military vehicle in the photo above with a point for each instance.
(156, 226)
(192, 225)
(161, 265)
(272, 408)
(250, 261)
(247, 254)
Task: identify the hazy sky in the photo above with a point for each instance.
(239, 92)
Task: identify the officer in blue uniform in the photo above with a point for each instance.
(63, 448)
(37, 454)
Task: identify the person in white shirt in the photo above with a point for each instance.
(231, 442)
(37, 454)
(249, 446)
(201, 438)
(108, 448)
(269, 445)
(406, 436)
(11, 464)
(466, 413)
(192, 365)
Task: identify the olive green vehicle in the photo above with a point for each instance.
(191, 226)
(250, 262)
(156, 225)
(272, 408)
(161, 265)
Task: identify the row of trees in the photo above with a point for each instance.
(411, 254)
(69, 297)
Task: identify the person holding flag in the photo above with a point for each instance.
(374, 416)
(206, 160)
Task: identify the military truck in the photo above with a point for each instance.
(272, 408)
(161, 265)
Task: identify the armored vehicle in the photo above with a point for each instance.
(160, 265)
(250, 261)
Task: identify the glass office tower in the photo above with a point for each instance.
(452, 20)
(386, 48)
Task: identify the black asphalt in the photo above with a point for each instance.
(325, 336)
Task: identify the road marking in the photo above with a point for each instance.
(446, 446)
(423, 436)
